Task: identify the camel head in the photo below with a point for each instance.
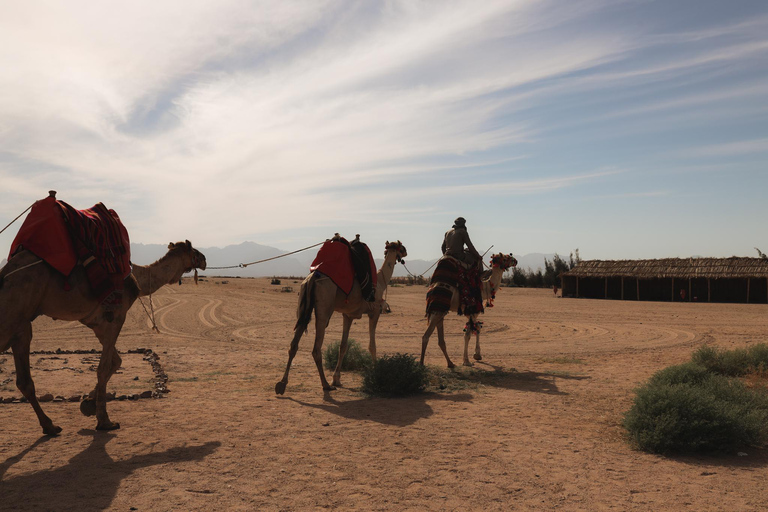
(192, 258)
(396, 247)
(503, 261)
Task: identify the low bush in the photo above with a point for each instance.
(355, 359)
(395, 375)
(733, 363)
(688, 409)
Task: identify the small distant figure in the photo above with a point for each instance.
(554, 288)
(682, 295)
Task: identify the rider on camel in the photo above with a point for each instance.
(454, 241)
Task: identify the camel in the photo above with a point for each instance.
(29, 287)
(499, 264)
(320, 294)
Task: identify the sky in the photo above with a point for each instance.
(626, 129)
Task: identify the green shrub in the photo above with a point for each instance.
(685, 409)
(395, 375)
(355, 359)
(733, 363)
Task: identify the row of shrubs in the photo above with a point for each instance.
(391, 375)
(703, 405)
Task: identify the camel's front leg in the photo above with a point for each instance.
(342, 350)
(477, 355)
(109, 363)
(467, 335)
(20, 343)
(373, 321)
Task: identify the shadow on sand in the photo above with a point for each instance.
(89, 480)
(399, 412)
(502, 378)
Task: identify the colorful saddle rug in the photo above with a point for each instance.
(452, 273)
(343, 262)
(64, 237)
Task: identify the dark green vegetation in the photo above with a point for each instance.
(700, 406)
(355, 359)
(395, 375)
(528, 278)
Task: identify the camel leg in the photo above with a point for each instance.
(477, 355)
(317, 351)
(441, 342)
(109, 363)
(280, 386)
(20, 344)
(425, 339)
(373, 320)
(467, 335)
(343, 346)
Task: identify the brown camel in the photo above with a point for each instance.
(29, 287)
(500, 263)
(320, 294)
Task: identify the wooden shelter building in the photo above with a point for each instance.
(671, 279)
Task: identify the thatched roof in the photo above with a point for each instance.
(682, 268)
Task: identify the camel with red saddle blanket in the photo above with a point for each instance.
(499, 264)
(319, 293)
(30, 287)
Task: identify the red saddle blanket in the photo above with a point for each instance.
(334, 259)
(63, 237)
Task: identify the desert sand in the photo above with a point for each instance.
(535, 426)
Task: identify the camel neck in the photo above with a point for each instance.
(152, 277)
(384, 275)
(492, 283)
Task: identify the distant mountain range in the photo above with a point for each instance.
(294, 265)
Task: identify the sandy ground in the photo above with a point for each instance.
(542, 433)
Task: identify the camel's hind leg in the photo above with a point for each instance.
(109, 363)
(343, 346)
(280, 386)
(321, 322)
(20, 344)
(435, 322)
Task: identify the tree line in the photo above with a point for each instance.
(549, 277)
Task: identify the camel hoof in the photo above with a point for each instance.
(51, 431)
(468, 363)
(280, 388)
(478, 357)
(108, 426)
(451, 365)
(336, 384)
(88, 407)
(329, 388)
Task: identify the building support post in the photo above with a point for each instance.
(577, 287)
(689, 290)
(622, 287)
(606, 289)
(709, 290)
(748, 279)
(673, 289)
(638, 288)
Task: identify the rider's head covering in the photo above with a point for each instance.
(459, 222)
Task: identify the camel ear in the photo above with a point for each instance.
(171, 246)
(189, 244)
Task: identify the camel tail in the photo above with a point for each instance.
(306, 303)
